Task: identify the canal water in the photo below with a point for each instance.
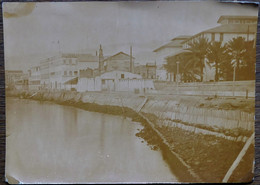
(50, 143)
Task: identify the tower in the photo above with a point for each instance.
(100, 60)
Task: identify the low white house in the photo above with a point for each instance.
(89, 84)
(115, 81)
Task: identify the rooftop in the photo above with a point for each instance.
(175, 42)
(119, 53)
(14, 71)
(181, 37)
(229, 28)
(88, 58)
(221, 18)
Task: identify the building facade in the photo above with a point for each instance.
(174, 46)
(11, 76)
(16, 79)
(147, 71)
(54, 72)
(119, 62)
(34, 78)
(230, 27)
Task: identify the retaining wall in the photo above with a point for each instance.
(166, 113)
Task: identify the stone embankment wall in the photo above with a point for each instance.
(229, 124)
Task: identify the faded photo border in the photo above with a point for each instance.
(2, 87)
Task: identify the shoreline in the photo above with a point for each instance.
(178, 138)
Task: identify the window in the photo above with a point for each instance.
(70, 61)
(65, 73)
(64, 61)
(122, 75)
(75, 73)
(70, 73)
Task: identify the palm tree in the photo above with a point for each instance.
(236, 48)
(198, 51)
(248, 70)
(216, 55)
(186, 73)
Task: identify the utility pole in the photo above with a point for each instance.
(59, 47)
(131, 61)
(248, 33)
(177, 77)
(234, 79)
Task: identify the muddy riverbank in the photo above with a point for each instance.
(208, 156)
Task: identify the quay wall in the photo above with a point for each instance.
(233, 125)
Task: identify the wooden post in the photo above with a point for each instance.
(239, 158)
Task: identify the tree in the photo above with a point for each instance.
(217, 55)
(187, 74)
(247, 71)
(236, 48)
(196, 57)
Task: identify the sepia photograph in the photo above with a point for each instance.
(129, 92)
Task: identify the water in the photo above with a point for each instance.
(49, 143)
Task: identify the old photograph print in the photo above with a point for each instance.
(129, 92)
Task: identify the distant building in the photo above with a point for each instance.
(231, 27)
(171, 48)
(174, 46)
(12, 76)
(54, 72)
(231, 19)
(119, 62)
(125, 81)
(16, 79)
(86, 61)
(147, 71)
(34, 78)
(161, 73)
(86, 73)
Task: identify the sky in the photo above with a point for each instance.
(34, 31)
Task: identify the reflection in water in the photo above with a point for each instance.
(54, 143)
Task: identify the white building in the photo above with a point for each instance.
(54, 72)
(161, 73)
(87, 61)
(171, 48)
(230, 27)
(120, 81)
(174, 46)
(89, 84)
(34, 80)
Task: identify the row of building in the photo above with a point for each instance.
(230, 27)
(87, 72)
